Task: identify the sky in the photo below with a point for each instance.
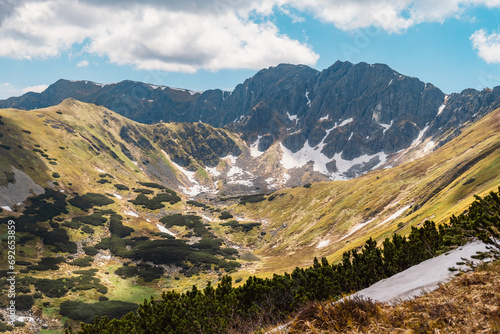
(207, 44)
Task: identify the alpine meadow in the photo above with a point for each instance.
(306, 194)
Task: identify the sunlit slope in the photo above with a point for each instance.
(328, 218)
(80, 141)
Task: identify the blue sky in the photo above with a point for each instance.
(202, 44)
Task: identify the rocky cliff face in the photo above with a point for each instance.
(335, 124)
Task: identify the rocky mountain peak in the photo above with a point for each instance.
(332, 124)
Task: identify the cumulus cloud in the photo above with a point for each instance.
(83, 63)
(487, 46)
(394, 16)
(189, 35)
(35, 89)
(176, 37)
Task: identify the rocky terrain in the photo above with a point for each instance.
(298, 124)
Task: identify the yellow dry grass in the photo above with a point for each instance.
(468, 304)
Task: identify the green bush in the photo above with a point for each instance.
(53, 288)
(47, 263)
(197, 204)
(252, 199)
(225, 215)
(56, 175)
(127, 271)
(149, 273)
(117, 228)
(24, 302)
(157, 201)
(86, 312)
(144, 191)
(88, 229)
(72, 224)
(121, 187)
(152, 185)
(82, 262)
(95, 219)
(91, 251)
(89, 200)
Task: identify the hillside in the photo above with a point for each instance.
(300, 125)
(110, 204)
(76, 139)
(323, 219)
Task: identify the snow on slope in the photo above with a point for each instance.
(254, 148)
(196, 187)
(423, 277)
(163, 229)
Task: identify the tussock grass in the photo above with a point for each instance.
(468, 304)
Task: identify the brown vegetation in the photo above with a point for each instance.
(468, 304)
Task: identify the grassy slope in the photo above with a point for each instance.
(83, 154)
(440, 184)
(436, 186)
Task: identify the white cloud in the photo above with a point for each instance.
(83, 63)
(35, 89)
(394, 16)
(151, 38)
(189, 35)
(487, 46)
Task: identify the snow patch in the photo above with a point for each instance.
(386, 126)
(419, 137)
(196, 187)
(213, 171)
(117, 196)
(423, 277)
(303, 156)
(344, 165)
(131, 213)
(247, 183)
(254, 148)
(324, 118)
(307, 154)
(155, 87)
(292, 117)
(5, 207)
(395, 215)
(307, 97)
(239, 119)
(356, 228)
(239, 176)
(286, 177)
(429, 146)
(163, 229)
(441, 108)
(231, 158)
(323, 243)
(100, 170)
(345, 122)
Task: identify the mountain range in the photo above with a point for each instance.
(119, 191)
(309, 125)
